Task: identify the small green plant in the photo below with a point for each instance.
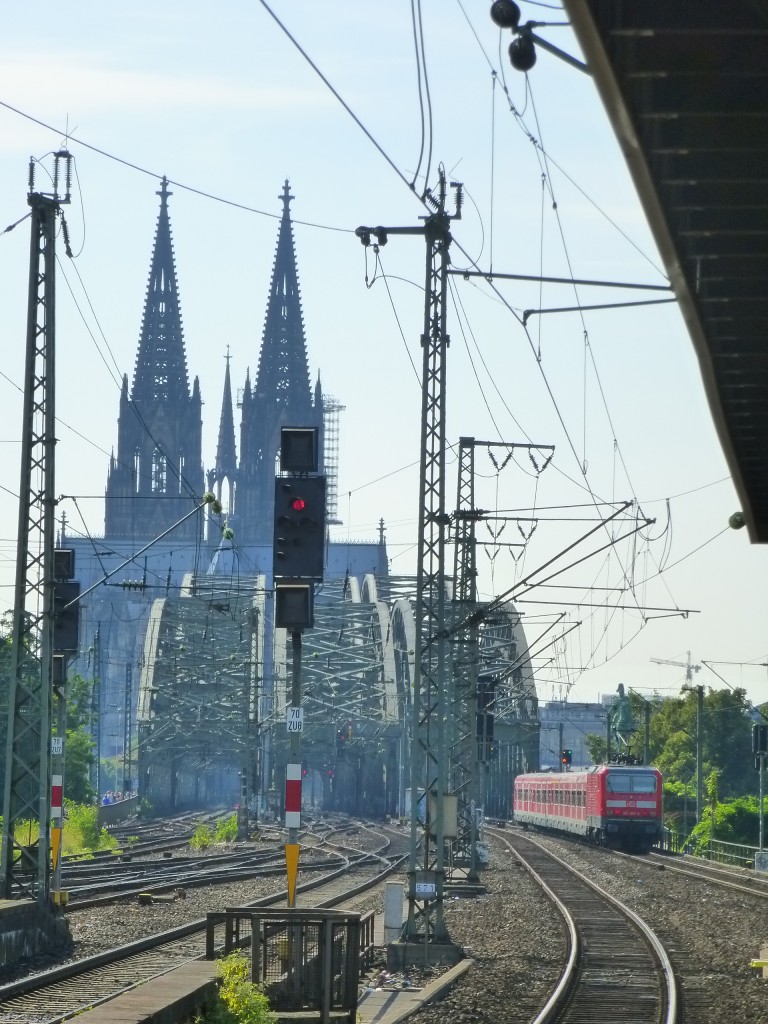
(26, 832)
(146, 810)
(202, 837)
(226, 830)
(82, 833)
(240, 1001)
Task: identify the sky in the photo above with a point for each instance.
(226, 105)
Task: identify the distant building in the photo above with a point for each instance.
(566, 725)
(157, 477)
(179, 631)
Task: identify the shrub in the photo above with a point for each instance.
(240, 1001)
(202, 837)
(81, 830)
(80, 834)
(226, 830)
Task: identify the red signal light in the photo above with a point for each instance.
(298, 504)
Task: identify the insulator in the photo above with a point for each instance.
(65, 233)
(459, 196)
(430, 199)
(31, 175)
(505, 14)
(522, 53)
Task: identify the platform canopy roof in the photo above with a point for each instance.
(685, 86)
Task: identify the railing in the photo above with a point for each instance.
(307, 960)
(731, 853)
(736, 854)
(109, 814)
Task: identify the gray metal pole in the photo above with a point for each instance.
(699, 760)
(26, 797)
(608, 738)
(647, 743)
(96, 703)
(762, 783)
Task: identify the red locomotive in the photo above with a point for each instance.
(612, 805)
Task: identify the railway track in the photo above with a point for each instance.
(105, 880)
(617, 969)
(65, 991)
(99, 889)
(702, 870)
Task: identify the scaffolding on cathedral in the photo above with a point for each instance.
(331, 410)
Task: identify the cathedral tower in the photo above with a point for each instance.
(225, 471)
(280, 396)
(158, 472)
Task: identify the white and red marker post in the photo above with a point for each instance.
(57, 822)
(294, 723)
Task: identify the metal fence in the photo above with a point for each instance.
(307, 961)
(735, 854)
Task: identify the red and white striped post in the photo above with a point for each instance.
(293, 824)
(293, 796)
(57, 820)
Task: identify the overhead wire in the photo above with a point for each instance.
(171, 181)
(420, 89)
(376, 145)
(283, 28)
(394, 312)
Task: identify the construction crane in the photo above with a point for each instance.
(689, 668)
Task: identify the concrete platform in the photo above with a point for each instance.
(182, 992)
(172, 997)
(28, 929)
(389, 1006)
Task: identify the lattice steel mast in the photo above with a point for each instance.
(426, 921)
(464, 739)
(25, 862)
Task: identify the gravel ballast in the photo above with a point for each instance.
(516, 939)
(514, 936)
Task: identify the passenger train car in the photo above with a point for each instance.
(612, 805)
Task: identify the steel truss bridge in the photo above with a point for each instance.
(215, 684)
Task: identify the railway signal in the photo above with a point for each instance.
(341, 743)
(759, 738)
(566, 758)
(299, 536)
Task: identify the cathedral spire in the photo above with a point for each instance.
(283, 373)
(161, 362)
(158, 474)
(281, 394)
(226, 455)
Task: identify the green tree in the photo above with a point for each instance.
(726, 744)
(79, 745)
(596, 746)
(77, 773)
(728, 741)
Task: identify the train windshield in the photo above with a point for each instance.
(624, 782)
